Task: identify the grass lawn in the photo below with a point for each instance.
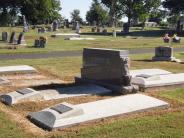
(138, 39)
(161, 124)
(155, 124)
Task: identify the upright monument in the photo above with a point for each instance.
(107, 67)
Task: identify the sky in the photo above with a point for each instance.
(69, 5)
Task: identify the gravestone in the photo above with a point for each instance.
(99, 29)
(107, 67)
(125, 28)
(104, 30)
(26, 28)
(49, 29)
(55, 25)
(5, 36)
(67, 23)
(78, 27)
(13, 39)
(163, 54)
(40, 43)
(21, 40)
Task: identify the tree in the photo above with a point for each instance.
(176, 8)
(97, 13)
(36, 11)
(115, 10)
(75, 16)
(145, 8)
(132, 8)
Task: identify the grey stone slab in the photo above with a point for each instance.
(87, 112)
(61, 108)
(25, 91)
(15, 97)
(17, 69)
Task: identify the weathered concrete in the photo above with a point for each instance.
(51, 94)
(148, 72)
(17, 69)
(79, 39)
(65, 35)
(51, 119)
(160, 80)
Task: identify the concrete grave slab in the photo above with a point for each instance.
(148, 72)
(160, 80)
(17, 69)
(79, 39)
(17, 96)
(63, 35)
(51, 119)
(51, 94)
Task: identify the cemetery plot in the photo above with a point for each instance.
(51, 119)
(159, 81)
(52, 94)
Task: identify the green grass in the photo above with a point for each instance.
(177, 95)
(9, 129)
(168, 125)
(138, 39)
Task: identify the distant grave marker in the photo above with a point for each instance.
(13, 39)
(5, 36)
(163, 54)
(21, 40)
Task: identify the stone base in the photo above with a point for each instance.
(113, 87)
(163, 58)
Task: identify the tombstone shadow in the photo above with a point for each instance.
(59, 87)
(144, 60)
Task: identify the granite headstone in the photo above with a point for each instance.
(5, 36)
(106, 67)
(163, 53)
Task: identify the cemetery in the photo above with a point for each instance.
(96, 77)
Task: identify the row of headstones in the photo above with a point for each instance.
(39, 43)
(13, 39)
(99, 29)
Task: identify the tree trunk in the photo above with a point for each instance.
(178, 28)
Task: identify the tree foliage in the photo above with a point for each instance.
(132, 8)
(36, 11)
(97, 13)
(176, 8)
(75, 16)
